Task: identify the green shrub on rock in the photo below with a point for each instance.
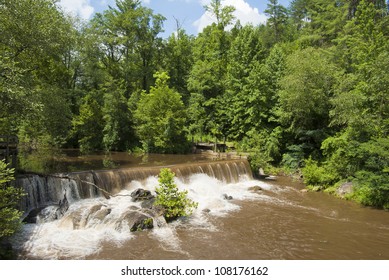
(175, 202)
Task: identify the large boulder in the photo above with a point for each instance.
(148, 204)
(135, 221)
(345, 189)
(255, 189)
(141, 195)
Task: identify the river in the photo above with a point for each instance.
(277, 222)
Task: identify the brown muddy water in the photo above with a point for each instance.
(278, 222)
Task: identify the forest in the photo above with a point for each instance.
(308, 91)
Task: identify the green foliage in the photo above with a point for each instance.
(308, 89)
(9, 200)
(372, 189)
(160, 118)
(263, 149)
(178, 61)
(118, 132)
(88, 125)
(175, 202)
(223, 14)
(277, 22)
(317, 176)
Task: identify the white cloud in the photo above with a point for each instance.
(244, 12)
(81, 8)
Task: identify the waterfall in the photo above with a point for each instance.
(43, 191)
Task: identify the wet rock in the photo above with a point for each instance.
(155, 211)
(148, 204)
(345, 189)
(63, 206)
(47, 214)
(227, 197)
(135, 221)
(206, 210)
(255, 189)
(141, 195)
(32, 216)
(102, 213)
(95, 208)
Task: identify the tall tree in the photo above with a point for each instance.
(178, 61)
(277, 21)
(161, 117)
(208, 74)
(36, 43)
(304, 99)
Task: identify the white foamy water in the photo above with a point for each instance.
(91, 222)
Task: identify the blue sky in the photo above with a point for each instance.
(189, 13)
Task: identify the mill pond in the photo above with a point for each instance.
(238, 217)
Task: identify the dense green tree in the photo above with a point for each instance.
(118, 132)
(161, 117)
(88, 124)
(9, 200)
(178, 61)
(129, 43)
(36, 44)
(358, 152)
(223, 14)
(208, 74)
(277, 21)
(306, 91)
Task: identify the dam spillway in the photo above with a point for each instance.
(48, 190)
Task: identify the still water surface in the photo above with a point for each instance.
(279, 222)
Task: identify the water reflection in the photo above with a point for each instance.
(49, 161)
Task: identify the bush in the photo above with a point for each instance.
(175, 203)
(9, 199)
(317, 176)
(372, 189)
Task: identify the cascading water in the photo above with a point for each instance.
(44, 191)
(267, 219)
(92, 219)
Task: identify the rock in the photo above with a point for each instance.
(63, 206)
(206, 210)
(47, 214)
(304, 191)
(255, 189)
(154, 211)
(32, 216)
(227, 197)
(102, 213)
(141, 195)
(136, 221)
(148, 204)
(261, 174)
(344, 189)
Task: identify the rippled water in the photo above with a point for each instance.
(278, 222)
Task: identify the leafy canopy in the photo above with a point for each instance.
(9, 199)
